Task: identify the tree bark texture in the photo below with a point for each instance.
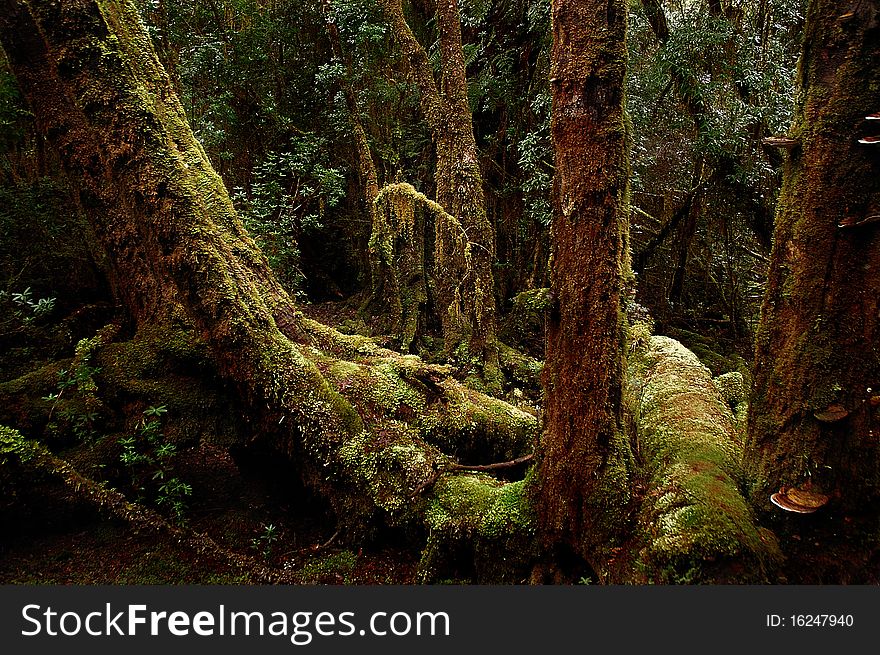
(402, 275)
(110, 110)
(586, 460)
(816, 395)
(366, 166)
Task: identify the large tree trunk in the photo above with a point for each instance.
(814, 419)
(174, 241)
(585, 467)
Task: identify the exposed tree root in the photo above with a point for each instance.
(35, 460)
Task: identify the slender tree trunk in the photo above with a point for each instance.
(689, 89)
(585, 466)
(469, 311)
(460, 186)
(683, 244)
(366, 167)
(814, 418)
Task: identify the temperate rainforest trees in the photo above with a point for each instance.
(814, 421)
(465, 290)
(180, 260)
(382, 435)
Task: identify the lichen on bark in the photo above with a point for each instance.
(419, 257)
(459, 183)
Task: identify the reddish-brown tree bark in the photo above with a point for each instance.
(585, 463)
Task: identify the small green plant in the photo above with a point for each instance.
(264, 543)
(76, 400)
(25, 307)
(147, 456)
(172, 493)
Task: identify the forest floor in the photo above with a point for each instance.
(244, 506)
(246, 502)
(247, 505)
(232, 503)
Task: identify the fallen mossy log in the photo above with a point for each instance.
(694, 524)
(20, 457)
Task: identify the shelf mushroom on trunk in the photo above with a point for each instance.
(799, 501)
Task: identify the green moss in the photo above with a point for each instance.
(523, 326)
(401, 216)
(510, 512)
(732, 388)
(521, 369)
(694, 516)
(639, 336)
(480, 528)
(712, 354)
(333, 568)
(460, 503)
(463, 422)
(477, 427)
(421, 279)
(14, 447)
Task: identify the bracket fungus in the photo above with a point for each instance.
(832, 414)
(870, 140)
(873, 117)
(799, 501)
(780, 142)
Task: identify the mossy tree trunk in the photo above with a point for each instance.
(694, 524)
(402, 277)
(470, 315)
(816, 393)
(110, 110)
(586, 459)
